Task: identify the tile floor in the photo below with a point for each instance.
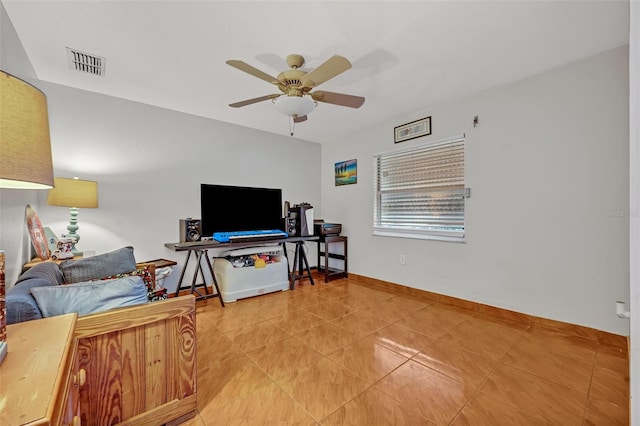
(346, 353)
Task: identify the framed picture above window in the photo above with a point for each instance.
(412, 130)
(420, 191)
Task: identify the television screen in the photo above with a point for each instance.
(239, 208)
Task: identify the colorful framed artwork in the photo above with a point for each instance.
(415, 129)
(37, 234)
(346, 172)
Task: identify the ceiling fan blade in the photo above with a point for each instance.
(243, 66)
(338, 99)
(300, 119)
(330, 68)
(253, 101)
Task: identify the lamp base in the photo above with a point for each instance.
(3, 350)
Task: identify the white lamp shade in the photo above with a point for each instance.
(298, 106)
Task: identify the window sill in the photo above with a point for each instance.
(419, 236)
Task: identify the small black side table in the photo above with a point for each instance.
(324, 251)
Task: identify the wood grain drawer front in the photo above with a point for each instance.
(36, 374)
(138, 373)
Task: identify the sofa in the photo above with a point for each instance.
(94, 284)
(138, 354)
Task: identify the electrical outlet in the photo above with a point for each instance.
(403, 260)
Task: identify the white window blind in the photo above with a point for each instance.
(420, 191)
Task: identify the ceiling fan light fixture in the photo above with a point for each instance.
(298, 106)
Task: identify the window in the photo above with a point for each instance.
(420, 192)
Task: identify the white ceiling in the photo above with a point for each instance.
(407, 55)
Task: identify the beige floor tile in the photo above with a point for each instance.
(402, 340)
(284, 356)
(435, 320)
(358, 302)
(269, 360)
(242, 316)
(212, 347)
(256, 335)
(373, 407)
(485, 410)
(407, 303)
(387, 311)
(299, 320)
(360, 323)
(609, 385)
(228, 380)
(602, 412)
(329, 310)
(456, 362)
(322, 387)
(562, 343)
(306, 299)
(433, 395)
(326, 338)
(562, 369)
(555, 403)
(489, 339)
(333, 290)
(367, 359)
(267, 406)
(613, 358)
(276, 307)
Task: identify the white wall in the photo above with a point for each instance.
(149, 163)
(547, 233)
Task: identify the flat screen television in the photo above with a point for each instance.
(225, 208)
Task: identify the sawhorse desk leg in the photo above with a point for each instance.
(300, 263)
(194, 286)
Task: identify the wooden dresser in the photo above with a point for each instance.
(39, 379)
(130, 366)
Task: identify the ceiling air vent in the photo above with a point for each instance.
(85, 62)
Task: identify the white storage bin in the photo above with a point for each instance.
(240, 282)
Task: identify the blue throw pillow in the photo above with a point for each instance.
(120, 261)
(90, 297)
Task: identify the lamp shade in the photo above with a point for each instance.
(25, 148)
(294, 105)
(74, 193)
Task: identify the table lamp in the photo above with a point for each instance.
(75, 194)
(25, 147)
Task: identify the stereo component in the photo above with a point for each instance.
(190, 230)
(290, 224)
(303, 215)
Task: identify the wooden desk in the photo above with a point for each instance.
(161, 263)
(36, 375)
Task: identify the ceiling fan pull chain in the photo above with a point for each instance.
(292, 125)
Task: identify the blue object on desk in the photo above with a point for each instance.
(248, 236)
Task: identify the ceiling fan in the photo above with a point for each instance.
(297, 99)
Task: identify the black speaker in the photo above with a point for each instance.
(291, 227)
(190, 230)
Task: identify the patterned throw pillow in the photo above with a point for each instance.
(147, 271)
